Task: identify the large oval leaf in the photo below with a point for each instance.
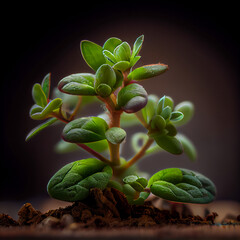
(92, 54)
(78, 84)
(168, 143)
(84, 130)
(111, 44)
(182, 185)
(132, 98)
(147, 71)
(73, 182)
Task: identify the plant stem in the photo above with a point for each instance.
(76, 108)
(139, 154)
(94, 153)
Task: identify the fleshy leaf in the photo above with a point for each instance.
(109, 56)
(111, 44)
(147, 71)
(166, 112)
(85, 130)
(168, 143)
(134, 60)
(92, 54)
(46, 85)
(176, 116)
(122, 65)
(137, 46)
(115, 135)
(132, 98)
(188, 147)
(163, 102)
(40, 127)
(159, 123)
(187, 108)
(78, 84)
(52, 106)
(122, 52)
(149, 110)
(74, 181)
(39, 96)
(106, 77)
(182, 185)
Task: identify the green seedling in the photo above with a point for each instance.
(115, 83)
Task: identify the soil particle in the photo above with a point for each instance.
(103, 209)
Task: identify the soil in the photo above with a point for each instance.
(108, 210)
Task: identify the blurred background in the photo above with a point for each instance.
(199, 42)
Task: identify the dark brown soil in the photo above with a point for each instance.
(103, 209)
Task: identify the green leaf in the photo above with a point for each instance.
(166, 112)
(132, 98)
(74, 181)
(46, 112)
(163, 102)
(111, 44)
(78, 84)
(149, 110)
(109, 56)
(188, 147)
(159, 123)
(176, 116)
(182, 185)
(134, 60)
(122, 52)
(46, 85)
(115, 135)
(66, 147)
(138, 184)
(39, 96)
(168, 143)
(40, 127)
(92, 54)
(106, 77)
(187, 108)
(137, 46)
(115, 184)
(85, 130)
(122, 65)
(172, 131)
(147, 71)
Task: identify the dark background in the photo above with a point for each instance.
(200, 43)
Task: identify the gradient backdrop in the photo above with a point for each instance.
(198, 41)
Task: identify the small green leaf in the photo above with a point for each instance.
(187, 108)
(46, 85)
(92, 54)
(149, 110)
(106, 77)
(138, 184)
(109, 56)
(52, 106)
(35, 109)
(188, 147)
(159, 123)
(115, 184)
(122, 65)
(40, 127)
(115, 135)
(164, 102)
(39, 96)
(137, 46)
(111, 44)
(122, 52)
(74, 181)
(78, 84)
(168, 143)
(176, 116)
(132, 98)
(134, 60)
(85, 130)
(147, 71)
(182, 185)
(172, 131)
(166, 112)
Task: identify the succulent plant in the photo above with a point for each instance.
(115, 83)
